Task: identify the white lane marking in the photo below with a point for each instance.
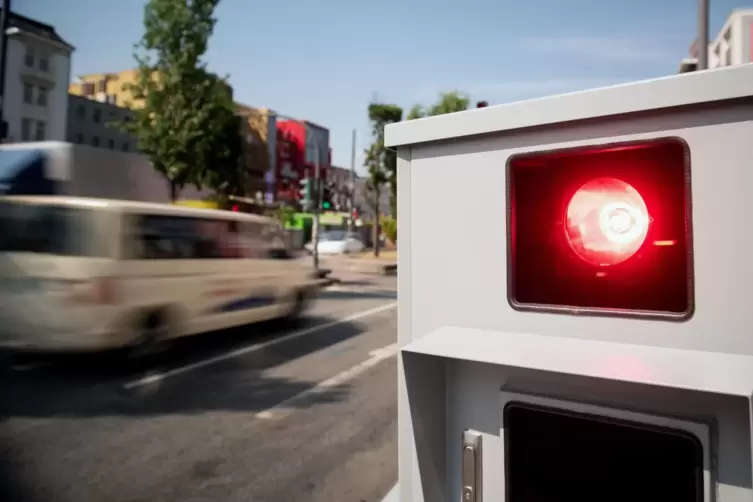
(342, 288)
(158, 377)
(282, 409)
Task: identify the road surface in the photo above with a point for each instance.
(271, 413)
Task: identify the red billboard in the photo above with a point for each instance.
(292, 163)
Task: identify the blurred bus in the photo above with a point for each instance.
(91, 274)
(58, 168)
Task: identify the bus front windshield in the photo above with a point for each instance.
(46, 229)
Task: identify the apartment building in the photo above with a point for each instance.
(733, 45)
(338, 179)
(101, 98)
(260, 142)
(36, 81)
(112, 88)
(96, 123)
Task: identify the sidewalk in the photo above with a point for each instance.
(389, 255)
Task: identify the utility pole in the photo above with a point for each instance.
(703, 34)
(352, 184)
(317, 205)
(4, 19)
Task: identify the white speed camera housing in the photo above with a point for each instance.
(577, 324)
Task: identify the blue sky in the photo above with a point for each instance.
(324, 60)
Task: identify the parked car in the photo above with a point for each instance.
(337, 242)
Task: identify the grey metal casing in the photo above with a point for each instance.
(463, 345)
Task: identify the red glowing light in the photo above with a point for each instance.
(607, 221)
(665, 243)
(236, 208)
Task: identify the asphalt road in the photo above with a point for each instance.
(265, 413)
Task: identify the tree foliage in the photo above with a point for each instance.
(416, 112)
(448, 102)
(378, 156)
(183, 113)
(225, 171)
(389, 227)
(285, 214)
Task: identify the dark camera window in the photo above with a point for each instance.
(558, 456)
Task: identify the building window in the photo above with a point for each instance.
(97, 116)
(79, 138)
(111, 144)
(44, 63)
(87, 88)
(29, 57)
(42, 96)
(40, 132)
(102, 85)
(95, 141)
(126, 147)
(28, 93)
(112, 99)
(81, 111)
(26, 126)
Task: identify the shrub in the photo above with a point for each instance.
(389, 227)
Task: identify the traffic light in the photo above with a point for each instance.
(602, 230)
(327, 196)
(305, 193)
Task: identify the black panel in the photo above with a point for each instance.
(558, 456)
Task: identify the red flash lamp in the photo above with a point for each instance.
(606, 221)
(602, 230)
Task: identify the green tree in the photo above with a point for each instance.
(285, 214)
(372, 191)
(379, 159)
(225, 171)
(389, 227)
(416, 112)
(180, 124)
(449, 102)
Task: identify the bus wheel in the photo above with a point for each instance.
(152, 340)
(300, 305)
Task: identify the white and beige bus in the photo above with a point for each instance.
(92, 274)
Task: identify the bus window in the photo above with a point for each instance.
(49, 229)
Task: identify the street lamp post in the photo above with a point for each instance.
(352, 183)
(317, 205)
(4, 19)
(317, 183)
(703, 35)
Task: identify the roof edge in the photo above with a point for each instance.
(664, 92)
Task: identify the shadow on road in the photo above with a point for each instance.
(13, 485)
(89, 386)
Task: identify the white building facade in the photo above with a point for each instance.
(36, 82)
(733, 45)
